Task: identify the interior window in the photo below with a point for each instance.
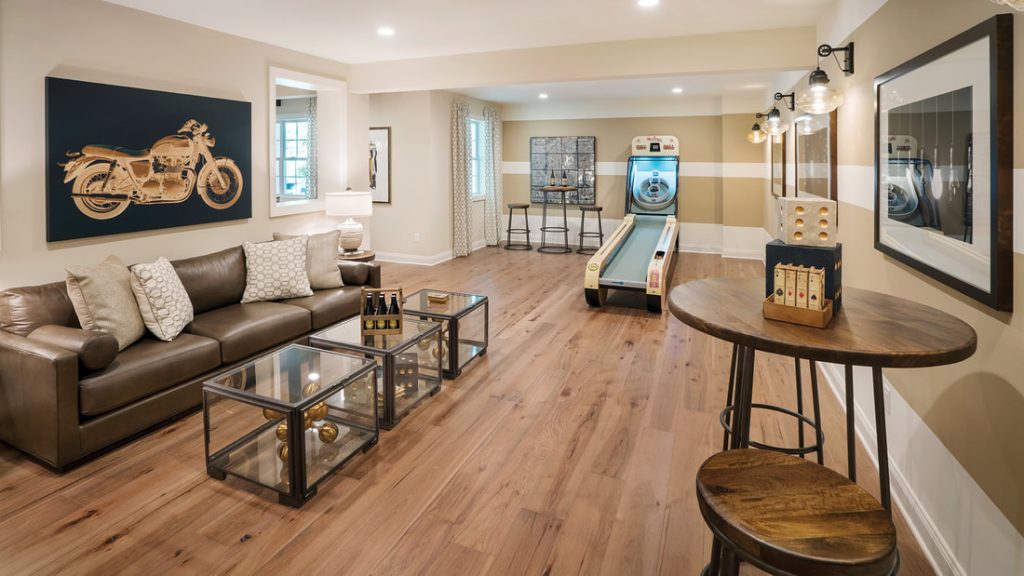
(292, 166)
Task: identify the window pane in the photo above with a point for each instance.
(290, 149)
(289, 168)
(303, 149)
(303, 130)
(289, 130)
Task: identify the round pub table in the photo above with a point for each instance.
(870, 329)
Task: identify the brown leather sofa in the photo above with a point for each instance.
(56, 406)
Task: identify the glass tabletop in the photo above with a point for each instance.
(350, 333)
(291, 374)
(457, 303)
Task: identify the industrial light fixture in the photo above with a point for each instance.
(773, 125)
(385, 31)
(787, 99)
(756, 135)
(817, 97)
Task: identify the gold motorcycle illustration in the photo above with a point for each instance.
(107, 179)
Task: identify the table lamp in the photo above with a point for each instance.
(350, 205)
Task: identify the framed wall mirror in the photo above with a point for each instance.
(944, 163)
(307, 141)
(814, 148)
(778, 147)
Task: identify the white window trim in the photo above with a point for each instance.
(279, 161)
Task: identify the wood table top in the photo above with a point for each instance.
(870, 329)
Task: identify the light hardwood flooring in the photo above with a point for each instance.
(570, 448)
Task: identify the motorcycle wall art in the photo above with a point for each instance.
(189, 174)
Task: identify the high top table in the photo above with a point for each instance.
(870, 329)
(562, 248)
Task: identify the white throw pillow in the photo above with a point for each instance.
(321, 259)
(103, 300)
(275, 270)
(163, 302)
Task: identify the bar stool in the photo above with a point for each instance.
(788, 516)
(583, 231)
(526, 219)
(545, 229)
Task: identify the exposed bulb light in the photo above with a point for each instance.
(543, 95)
(385, 31)
(647, 3)
(677, 90)
(756, 135)
(817, 97)
(774, 125)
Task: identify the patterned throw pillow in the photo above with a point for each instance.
(103, 300)
(321, 259)
(165, 306)
(275, 270)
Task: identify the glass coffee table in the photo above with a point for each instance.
(464, 322)
(287, 420)
(408, 364)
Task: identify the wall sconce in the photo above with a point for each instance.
(756, 135)
(817, 97)
(789, 103)
(773, 125)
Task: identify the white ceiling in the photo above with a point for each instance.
(346, 30)
(749, 84)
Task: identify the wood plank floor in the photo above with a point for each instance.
(571, 448)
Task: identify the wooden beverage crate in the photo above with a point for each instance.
(394, 319)
(794, 315)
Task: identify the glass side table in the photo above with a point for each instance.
(408, 364)
(464, 320)
(287, 420)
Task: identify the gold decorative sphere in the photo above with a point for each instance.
(307, 422)
(328, 433)
(310, 389)
(282, 452)
(271, 414)
(282, 431)
(317, 412)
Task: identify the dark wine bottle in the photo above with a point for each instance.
(551, 179)
(368, 312)
(382, 310)
(393, 311)
(565, 178)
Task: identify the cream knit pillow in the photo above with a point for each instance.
(103, 300)
(275, 270)
(321, 259)
(163, 302)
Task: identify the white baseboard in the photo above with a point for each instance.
(402, 258)
(960, 529)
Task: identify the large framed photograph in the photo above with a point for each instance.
(122, 159)
(380, 164)
(778, 150)
(944, 163)
(814, 148)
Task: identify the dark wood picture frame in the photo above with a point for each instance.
(386, 169)
(999, 32)
(833, 164)
(782, 162)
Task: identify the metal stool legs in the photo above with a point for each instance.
(525, 230)
(584, 234)
(562, 248)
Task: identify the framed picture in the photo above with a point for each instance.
(814, 147)
(778, 145)
(944, 163)
(380, 164)
(122, 159)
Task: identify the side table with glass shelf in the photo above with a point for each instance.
(464, 320)
(408, 364)
(289, 419)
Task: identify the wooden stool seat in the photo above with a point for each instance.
(787, 515)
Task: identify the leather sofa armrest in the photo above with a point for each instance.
(360, 273)
(39, 399)
(95, 350)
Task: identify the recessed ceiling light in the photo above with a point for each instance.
(543, 95)
(647, 3)
(385, 31)
(677, 90)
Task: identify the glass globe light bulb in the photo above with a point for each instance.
(756, 135)
(817, 97)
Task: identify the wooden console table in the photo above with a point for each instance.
(870, 329)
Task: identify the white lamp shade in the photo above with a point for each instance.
(349, 204)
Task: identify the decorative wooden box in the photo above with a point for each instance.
(382, 324)
(794, 315)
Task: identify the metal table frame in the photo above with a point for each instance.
(454, 368)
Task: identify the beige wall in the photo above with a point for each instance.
(711, 139)
(976, 407)
(70, 38)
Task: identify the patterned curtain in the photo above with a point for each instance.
(463, 223)
(311, 163)
(492, 176)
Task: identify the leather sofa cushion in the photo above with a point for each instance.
(22, 310)
(214, 280)
(96, 350)
(245, 329)
(330, 306)
(145, 368)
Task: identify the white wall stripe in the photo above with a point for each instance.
(687, 169)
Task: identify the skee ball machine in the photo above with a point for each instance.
(639, 254)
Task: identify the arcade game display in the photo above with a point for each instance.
(639, 254)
